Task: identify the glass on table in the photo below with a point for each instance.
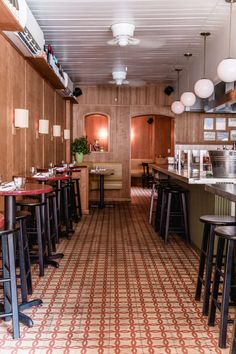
(33, 171)
(19, 182)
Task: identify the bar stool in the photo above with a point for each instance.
(35, 208)
(227, 235)
(174, 206)
(206, 256)
(23, 255)
(160, 188)
(8, 280)
(146, 176)
(77, 196)
(233, 339)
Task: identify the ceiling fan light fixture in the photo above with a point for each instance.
(123, 34)
(123, 29)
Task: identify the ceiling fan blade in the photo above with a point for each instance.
(134, 41)
(137, 83)
(113, 41)
(125, 82)
(151, 43)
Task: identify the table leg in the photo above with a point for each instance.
(101, 203)
(10, 217)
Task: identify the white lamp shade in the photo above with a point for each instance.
(67, 134)
(226, 70)
(43, 126)
(177, 107)
(21, 118)
(188, 99)
(204, 88)
(56, 130)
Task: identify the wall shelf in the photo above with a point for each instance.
(8, 22)
(72, 99)
(41, 65)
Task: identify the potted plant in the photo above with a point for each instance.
(79, 148)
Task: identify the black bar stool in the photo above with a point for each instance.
(8, 280)
(76, 180)
(174, 216)
(146, 176)
(233, 340)
(206, 256)
(160, 188)
(227, 237)
(35, 227)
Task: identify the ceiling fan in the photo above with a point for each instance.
(123, 34)
(119, 78)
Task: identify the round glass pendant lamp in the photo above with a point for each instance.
(188, 98)
(177, 107)
(226, 69)
(204, 87)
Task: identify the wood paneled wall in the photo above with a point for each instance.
(23, 87)
(120, 104)
(190, 128)
(152, 140)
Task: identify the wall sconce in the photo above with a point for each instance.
(56, 130)
(21, 118)
(67, 134)
(43, 126)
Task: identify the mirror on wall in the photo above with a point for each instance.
(96, 126)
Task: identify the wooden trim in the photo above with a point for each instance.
(41, 65)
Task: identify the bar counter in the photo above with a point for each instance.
(207, 195)
(190, 177)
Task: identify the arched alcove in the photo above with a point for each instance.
(96, 128)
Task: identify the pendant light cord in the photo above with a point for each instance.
(230, 27)
(204, 59)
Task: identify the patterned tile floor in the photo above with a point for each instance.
(119, 289)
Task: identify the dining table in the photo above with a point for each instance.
(1, 220)
(10, 194)
(101, 173)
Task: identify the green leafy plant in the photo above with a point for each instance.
(80, 145)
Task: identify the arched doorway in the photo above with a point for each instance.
(152, 136)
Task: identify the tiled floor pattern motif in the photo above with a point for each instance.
(119, 289)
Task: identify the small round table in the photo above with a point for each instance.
(10, 220)
(101, 173)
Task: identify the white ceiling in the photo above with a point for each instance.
(79, 30)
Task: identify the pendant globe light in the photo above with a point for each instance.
(188, 98)
(226, 70)
(204, 87)
(177, 107)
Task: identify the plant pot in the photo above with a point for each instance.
(79, 156)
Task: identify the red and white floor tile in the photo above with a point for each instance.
(118, 289)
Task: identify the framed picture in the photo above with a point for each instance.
(208, 123)
(220, 124)
(222, 136)
(210, 136)
(233, 135)
(231, 122)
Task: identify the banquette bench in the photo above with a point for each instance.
(110, 182)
